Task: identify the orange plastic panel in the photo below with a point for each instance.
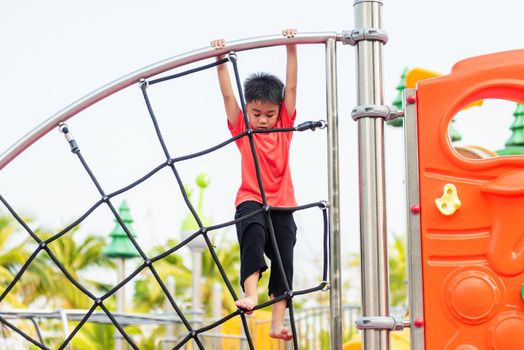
(473, 259)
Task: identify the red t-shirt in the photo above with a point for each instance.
(273, 157)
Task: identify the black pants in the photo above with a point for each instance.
(253, 237)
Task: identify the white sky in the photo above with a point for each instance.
(54, 52)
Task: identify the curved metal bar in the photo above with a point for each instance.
(149, 71)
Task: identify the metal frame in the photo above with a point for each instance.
(149, 71)
(373, 235)
(416, 307)
(65, 315)
(335, 276)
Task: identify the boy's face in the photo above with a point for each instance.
(262, 115)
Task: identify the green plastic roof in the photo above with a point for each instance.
(517, 128)
(398, 100)
(121, 246)
(455, 135)
(515, 143)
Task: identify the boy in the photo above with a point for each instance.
(269, 105)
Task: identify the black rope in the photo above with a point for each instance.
(74, 223)
(68, 275)
(248, 129)
(78, 326)
(137, 182)
(293, 325)
(119, 327)
(189, 71)
(122, 283)
(132, 239)
(193, 334)
(271, 230)
(326, 244)
(19, 274)
(209, 150)
(19, 219)
(154, 120)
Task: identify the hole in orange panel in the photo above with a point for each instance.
(494, 128)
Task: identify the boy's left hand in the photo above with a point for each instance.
(289, 32)
(218, 43)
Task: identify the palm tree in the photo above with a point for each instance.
(77, 257)
(12, 257)
(43, 282)
(94, 336)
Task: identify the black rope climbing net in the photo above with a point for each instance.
(203, 231)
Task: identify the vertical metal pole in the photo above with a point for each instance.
(217, 314)
(416, 306)
(373, 237)
(335, 295)
(197, 295)
(65, 325)
(196, 276)
(170, 328)
(120, 344)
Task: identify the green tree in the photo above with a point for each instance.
(44, 283)
(93, 336)
(77, 256)
(397, 103)
(515, 144)
(12, 257)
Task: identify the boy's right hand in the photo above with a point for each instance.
(218, 43)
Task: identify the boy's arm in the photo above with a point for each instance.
(290, 92)
(230, 102)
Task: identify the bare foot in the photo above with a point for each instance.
(247, 303)
(280, 332)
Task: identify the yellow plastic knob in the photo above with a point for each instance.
(449, 203)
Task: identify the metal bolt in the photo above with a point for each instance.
(418, 322)
(411, 99)
(415, 209)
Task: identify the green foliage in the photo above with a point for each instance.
(43, 282)
(147, 335)
(228, 254)
(12, 257)
(94, 336)
(148, 295)
(76, 256)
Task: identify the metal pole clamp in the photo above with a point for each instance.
(376, 111)
(391, 323)
(374, 34)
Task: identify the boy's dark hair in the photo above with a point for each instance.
(263, 87)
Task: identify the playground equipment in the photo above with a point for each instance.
(465, 264)
(193, 330)
(471, 259)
